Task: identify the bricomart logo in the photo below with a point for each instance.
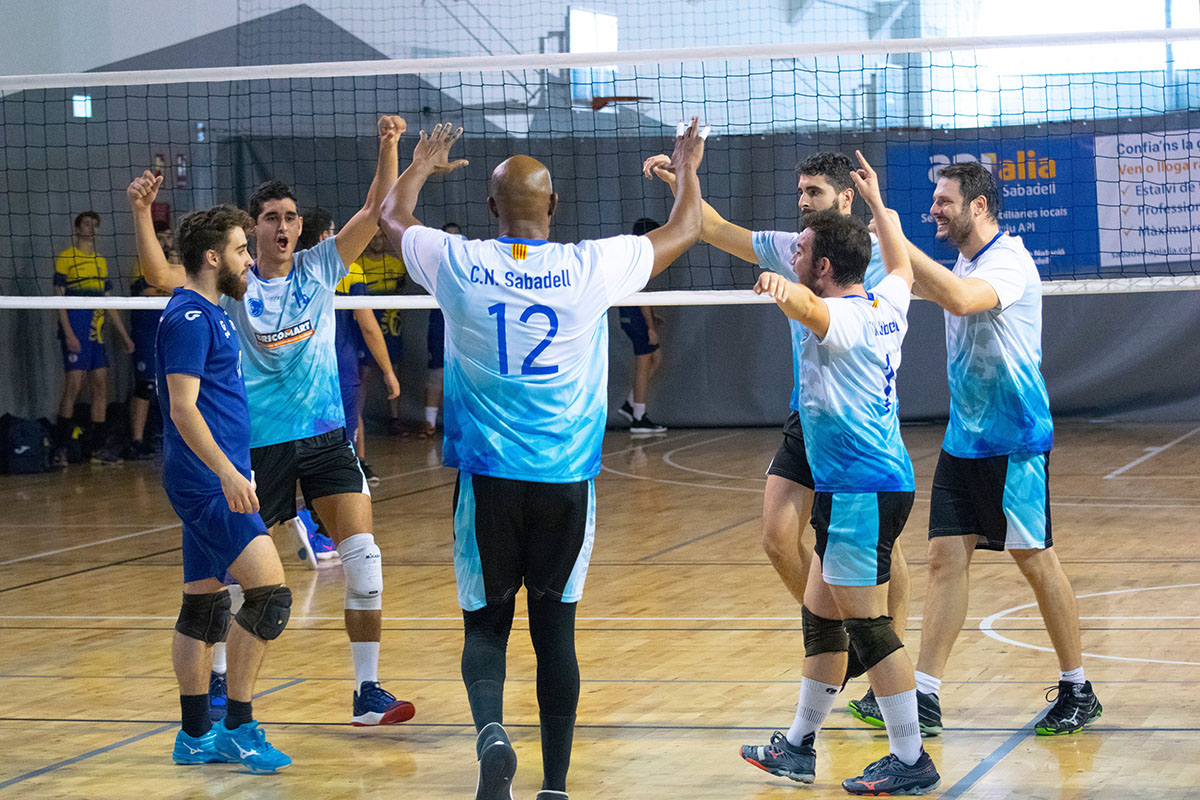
(296, 333)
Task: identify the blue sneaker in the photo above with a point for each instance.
(216, 696)
(782, 758)
(375, 706)
(889, 776)
(322, 546)
(198, 749)
(248, 744)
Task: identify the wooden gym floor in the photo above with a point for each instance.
(689, 645)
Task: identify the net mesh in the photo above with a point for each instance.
(1100, 170)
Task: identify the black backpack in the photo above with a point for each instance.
(26, 446)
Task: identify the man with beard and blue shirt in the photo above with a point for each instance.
(824, 183)
(207, 477)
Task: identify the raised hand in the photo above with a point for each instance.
(774, 286)
(390, 128)
(433, 150)
(866, 182)
(143, 190)
(659, 166)
(689, 148)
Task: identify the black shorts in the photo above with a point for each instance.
(323, 464)
(1003, 500)
(509, 532)
(791, 461)
(633, 322)
(856, 532)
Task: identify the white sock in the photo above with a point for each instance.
(431, 415)
(900, 718)
(366, 662)
(639, 410)
(219, 658)
(816, 701)
(630, 398)
(1074, 676)
(236, 598)
(927, 684)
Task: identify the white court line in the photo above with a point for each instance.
(52, 525)
(585, 619)
(88, 544)
(986, 626)
(651, 443)
(678, 483)
(1152, 452)
(668, 460)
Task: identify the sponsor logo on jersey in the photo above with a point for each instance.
(254, 306)
(296, 333)
(190, 316)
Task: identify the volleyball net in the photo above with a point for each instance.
(1094, 141)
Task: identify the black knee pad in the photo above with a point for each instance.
(204, 617)
(872, 640)
(143, 390)
(265, 611)
(822, 635)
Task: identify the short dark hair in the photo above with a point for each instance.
(316, 221)
(271, 190)
(86, 215)
(202, 231)
(836, 168)
(975, 180)
(844, 240)
(644, 226)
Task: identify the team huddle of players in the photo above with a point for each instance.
(248, 384)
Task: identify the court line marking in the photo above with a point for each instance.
(667, 459)
(986, 625)
(519, 618)
(702, 537)
(1152, 452)
(159, 529)
(993, 758)
(107, 748)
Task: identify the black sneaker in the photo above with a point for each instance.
(867, 710)
(646, 425)
(784, 759)
(497, 763)
(551, 794)
(929, 714)
(889, 776)
(369, 473)
(626, 411)
(106, 456)
(1075, 706)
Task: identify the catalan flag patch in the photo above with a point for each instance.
(520, 251)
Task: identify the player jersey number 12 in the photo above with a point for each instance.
(527, 366)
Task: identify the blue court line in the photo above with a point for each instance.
(102, 750)
(984, 767)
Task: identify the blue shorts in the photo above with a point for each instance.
(633, 322)
(435, 339)
(856, 532)
(143, 371)
(213, 536)
(393, 328)
(85, 324)
(1003, 500)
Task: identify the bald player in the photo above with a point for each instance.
(526, 374)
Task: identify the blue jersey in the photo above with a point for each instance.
(774, 250)
(526, 362)
(287, 327)
(196, 337)
(998, 401)
(848, 406)
(348, 341)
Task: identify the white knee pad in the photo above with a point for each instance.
(362, 566)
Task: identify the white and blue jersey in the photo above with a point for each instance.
(287, 326)
(848, 406)
(526, 362)
(774, 250)
(998, 401)
(196, 337)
